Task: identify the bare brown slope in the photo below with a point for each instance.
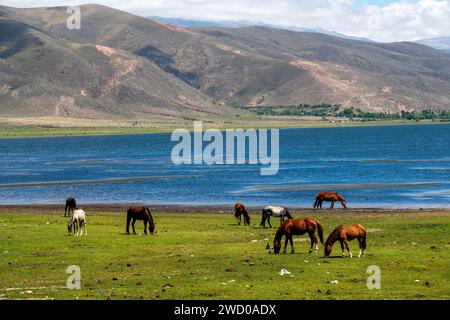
(42, 75)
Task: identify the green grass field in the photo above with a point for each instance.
(207, 256)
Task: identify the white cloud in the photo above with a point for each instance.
(399, 21)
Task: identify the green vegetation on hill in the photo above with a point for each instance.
(336, 110)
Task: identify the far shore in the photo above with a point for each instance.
(59, 127)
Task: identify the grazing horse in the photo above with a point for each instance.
(140, 213)
(330, 197)
(71, 204)
(280, 212)
(345, 233)
(239, 211)
(298, 227)
(78, 222)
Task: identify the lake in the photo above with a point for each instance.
(404, 166)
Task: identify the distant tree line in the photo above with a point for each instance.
(335, 110)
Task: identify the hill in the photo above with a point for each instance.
(122, 65)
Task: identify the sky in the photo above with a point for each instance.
(380, 20)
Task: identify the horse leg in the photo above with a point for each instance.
(332, 205)
(240, 219)
(292, 244)
(263, 220)
(313, 241)
(128, 224)
(285, 244)
(145, 226)
(360, 247)
(348, 249)
(268, 221)
(342, 247)
(132, 225)
(85, 230)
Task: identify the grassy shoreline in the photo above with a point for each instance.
(8, 130)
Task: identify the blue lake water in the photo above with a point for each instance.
(386, 166)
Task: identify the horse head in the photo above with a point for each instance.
(327, 249)
(69, 226)
(276, 246)
(151, 226)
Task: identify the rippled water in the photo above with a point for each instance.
(386, 166)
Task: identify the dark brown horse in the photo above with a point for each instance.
(140, 213)
(239, 211)
(298, 227)
(343, 234)
(71, 204)
(329, 197)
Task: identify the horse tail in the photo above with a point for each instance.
(129, 213)
(246, 217)
(363, 242)
(320, 231)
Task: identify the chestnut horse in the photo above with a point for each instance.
(343, 234)
(71, 204)
(329, 197)
(239, 211)
(140, 213)
(298, 227)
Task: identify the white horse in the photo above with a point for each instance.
(78, 222)
(276, 211)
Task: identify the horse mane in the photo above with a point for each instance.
(280, 233)
(149, 214)
(334, 235)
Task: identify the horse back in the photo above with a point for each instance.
(139, 213)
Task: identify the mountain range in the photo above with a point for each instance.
(119, 65)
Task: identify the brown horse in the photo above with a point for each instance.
(329, 197)
(140, 213)
(71, 204)
(298, 227)
(239, 211)
(345, 233)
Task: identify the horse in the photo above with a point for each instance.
(140, 213)
(330, 197)
(239, 211)
(71, 204)
(343, 234)
(78, 222)
(280, 212)
(298, 227)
